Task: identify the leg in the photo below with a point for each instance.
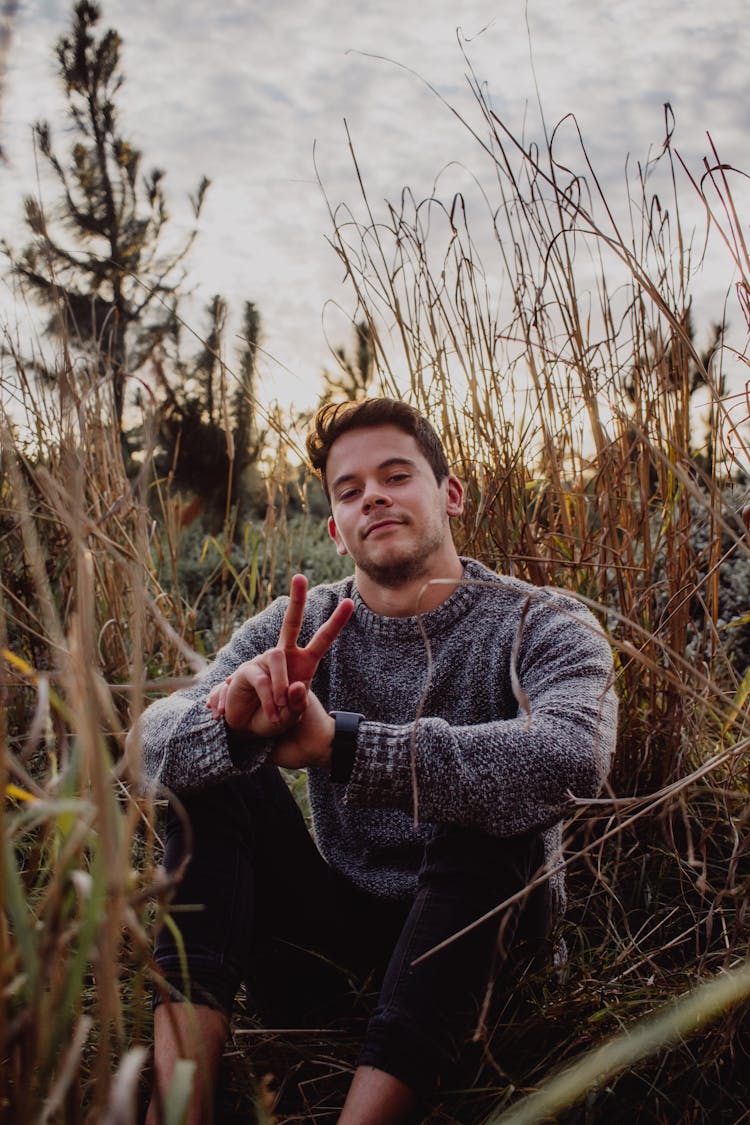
(186, 1031)
(426, 1013)
(378, 1098)
(253, 860)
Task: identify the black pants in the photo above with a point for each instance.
(274, 914)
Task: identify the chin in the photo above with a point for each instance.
(393, 572)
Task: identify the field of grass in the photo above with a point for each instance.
(573, 422)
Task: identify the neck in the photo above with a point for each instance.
(418, 595)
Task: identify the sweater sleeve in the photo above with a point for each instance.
(508, 775)
(185, 748)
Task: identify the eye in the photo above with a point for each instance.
(348, 494)
(399, 476)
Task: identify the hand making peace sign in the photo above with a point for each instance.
(267, 695)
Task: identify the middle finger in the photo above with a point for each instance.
(295, 611)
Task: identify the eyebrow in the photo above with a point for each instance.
(387, 464)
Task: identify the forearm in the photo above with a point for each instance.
(504, 777)
(184, 748)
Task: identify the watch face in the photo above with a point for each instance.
(347, 722)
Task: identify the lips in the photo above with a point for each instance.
(382, 523)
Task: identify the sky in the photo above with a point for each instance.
(256, 93)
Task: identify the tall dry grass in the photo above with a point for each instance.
(76, 631)
(568, 407)
(554, 343)
(94, 619)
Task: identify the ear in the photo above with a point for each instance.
(454, 501)
(333, 531)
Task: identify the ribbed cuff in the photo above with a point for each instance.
(382, 769)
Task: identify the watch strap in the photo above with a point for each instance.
(344, 745)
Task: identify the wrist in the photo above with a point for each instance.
(330, 736)
(239, 743)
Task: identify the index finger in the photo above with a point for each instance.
(295, 612)
(322, 640)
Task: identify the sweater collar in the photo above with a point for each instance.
(434, 622)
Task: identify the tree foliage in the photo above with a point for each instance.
(97, 259)
(99, 264)
(353, 380)
(209, 433)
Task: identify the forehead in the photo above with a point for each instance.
(367, 447)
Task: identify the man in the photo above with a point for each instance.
(444, 714)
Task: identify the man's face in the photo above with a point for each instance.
(388, 511)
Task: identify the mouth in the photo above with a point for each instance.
(381, 525)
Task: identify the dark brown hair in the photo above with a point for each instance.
(337, 418)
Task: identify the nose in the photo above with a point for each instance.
(374, 497)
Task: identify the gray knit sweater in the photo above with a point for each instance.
(486, 755)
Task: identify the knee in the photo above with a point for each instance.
(228, 810)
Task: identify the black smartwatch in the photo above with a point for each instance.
(344, 745)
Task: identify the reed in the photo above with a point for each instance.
(554, 343)
(94, 619)
(561, 367)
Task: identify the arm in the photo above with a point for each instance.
(245, 706)
(512, 775)
(183, 747)
(268, 695)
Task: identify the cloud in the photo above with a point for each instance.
(243, 92)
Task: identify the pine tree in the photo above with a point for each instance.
(248, 438)
(209, 433)
(353, 381)
(96, 260)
